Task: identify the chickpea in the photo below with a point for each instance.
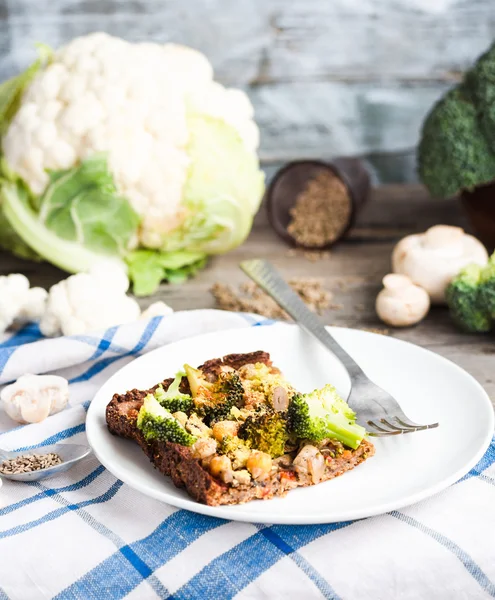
(259, 464)
(221, 467)
(223, 428)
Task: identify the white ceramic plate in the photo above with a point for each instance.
(404, 470)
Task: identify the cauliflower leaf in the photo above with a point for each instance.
(81, 218)
(147, 268)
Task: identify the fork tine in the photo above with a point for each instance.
(418, 426)
(395, 428)
(383, 432)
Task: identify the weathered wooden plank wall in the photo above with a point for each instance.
(326, 77)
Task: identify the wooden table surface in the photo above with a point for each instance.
(353, 272)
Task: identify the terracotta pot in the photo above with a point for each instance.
(480, 208)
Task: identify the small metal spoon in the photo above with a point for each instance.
(69, 453)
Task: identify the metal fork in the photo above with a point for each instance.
(376, 409)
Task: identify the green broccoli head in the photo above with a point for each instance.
(266, 431)
(324, 414)
(454, 153)
(465, 301)
(157, 423)
(214, 400)
(172, 399)
(480, 80)
(487, 287)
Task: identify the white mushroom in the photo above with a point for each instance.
(204, 447)
(310, 461)
(401, 303)
(33, 397)
(433, 258)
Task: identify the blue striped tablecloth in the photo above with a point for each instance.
(86, 535)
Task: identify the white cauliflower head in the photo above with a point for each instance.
(137, 103)
(89, 302)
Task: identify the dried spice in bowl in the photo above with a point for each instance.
(312, 204)
(322, 211)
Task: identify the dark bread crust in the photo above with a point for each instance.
(186, 471)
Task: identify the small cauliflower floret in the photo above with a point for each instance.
(221, 467)
(310, 461)
(259, 464)
(89, 302)
(223, 428)
(32, 398)
(196, 426)
(204, 448)
(19, 303)
(157, 423)
(157, 309)
(241, 477)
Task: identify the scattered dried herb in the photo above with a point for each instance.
(29, 462)
(251, 298)
(311, 255)
(322, 211)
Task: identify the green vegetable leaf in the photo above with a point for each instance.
(11, 241)
(81, 218)
(82, 205)
(12, 89)
(147, 268)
